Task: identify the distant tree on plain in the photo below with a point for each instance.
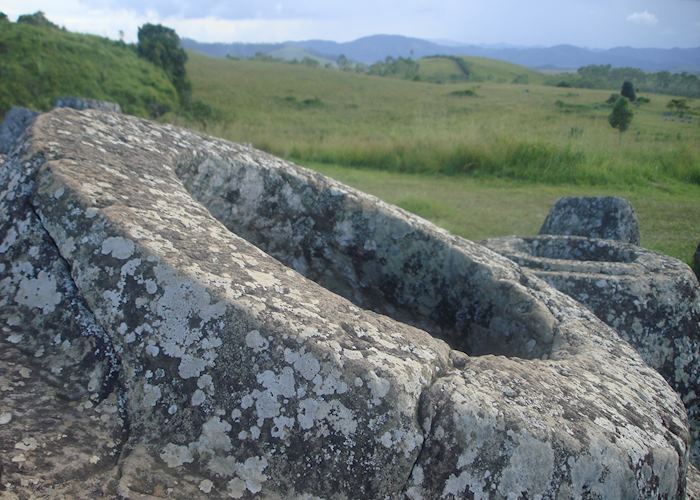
(3, 17)
(628, 91)
(621, 116)
(344, 63)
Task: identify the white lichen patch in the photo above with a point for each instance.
(378, 386)
(256, 341)
(176, 455)
(151, 395)
(9, 240)
(40, 292)
(304, 362)
(530, 467)
(206, 485)
(198, 397)
(118, 247)
(27, 444)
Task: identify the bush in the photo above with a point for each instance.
(463, 93)
(678, 106)
(199, 111)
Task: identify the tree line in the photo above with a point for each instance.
(605, 77)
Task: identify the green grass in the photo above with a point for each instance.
(444, 70)
(477, 209)
(534, 133)
(38, 64)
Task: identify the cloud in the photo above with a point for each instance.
(78, 15)
(645, 17)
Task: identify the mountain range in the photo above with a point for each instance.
(375, 48)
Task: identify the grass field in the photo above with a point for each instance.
(518, 146)
(527, 132)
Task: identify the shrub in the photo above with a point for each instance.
(463, 93)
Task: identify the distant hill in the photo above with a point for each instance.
(40, 63)
(374, 48)
(444, 69)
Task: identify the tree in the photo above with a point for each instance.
(621, 116)
(36, 19)
(3, 17)
(344, 63)
(628, 91)
(161, 46)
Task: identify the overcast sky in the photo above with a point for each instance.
(588, 23)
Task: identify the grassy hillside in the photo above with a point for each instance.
(38, 64)
(479, 69)
(521, 146)
(528, 132)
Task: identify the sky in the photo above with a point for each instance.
(586, 23)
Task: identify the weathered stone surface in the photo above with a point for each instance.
(13, 125)
(652, 300)
(696, 262)
(82, 103)
(240, 377)
(606, 217)
(53, 444)
(693, 491)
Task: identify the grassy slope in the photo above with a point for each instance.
(443, 69)
(39, 64)
(513, 131)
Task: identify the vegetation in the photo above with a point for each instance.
(621, 116)
(607, 77)
(509, 131)
(628, 91)
(36, 19)
(678, 106)
(161, 46)
(40, 63)
(402, 67)
(450, 69)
